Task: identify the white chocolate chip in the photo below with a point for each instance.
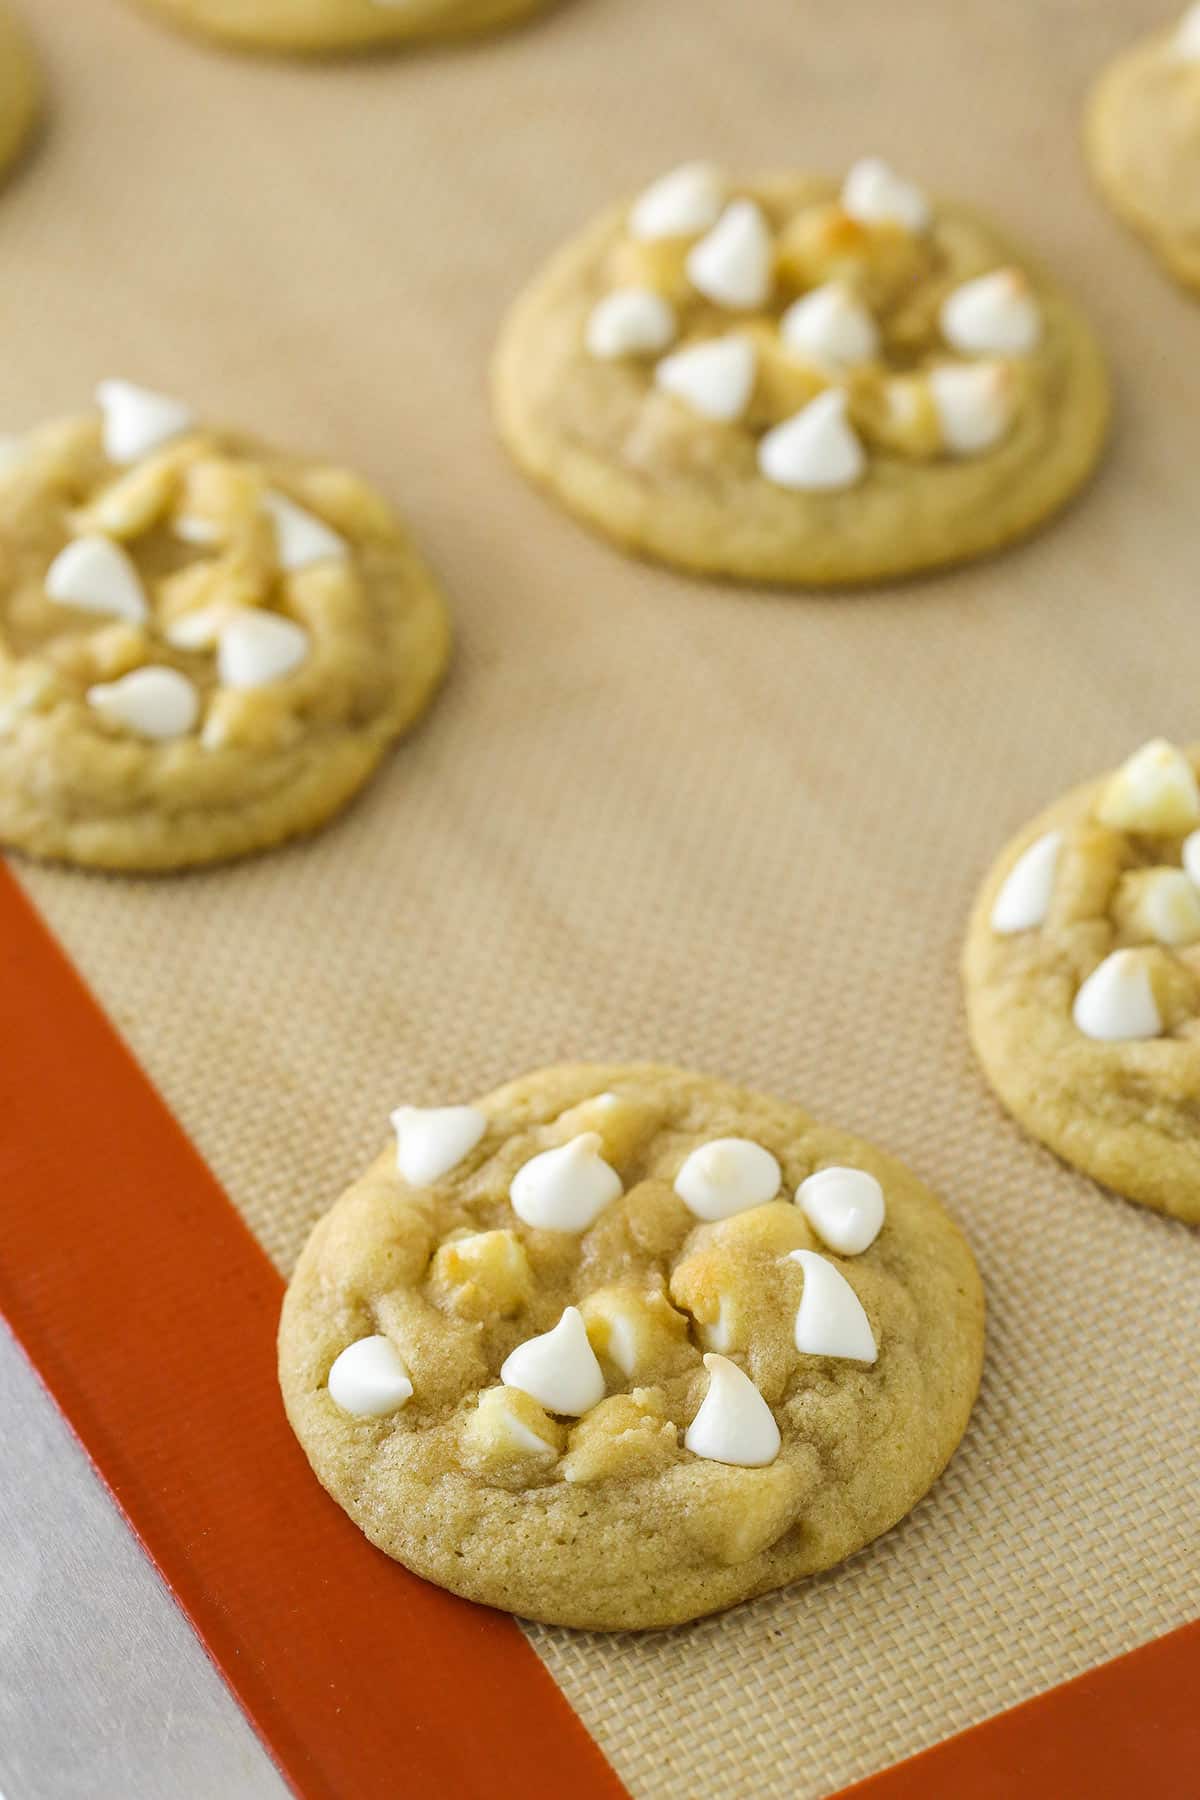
(369, 1380)
(1186, 41)
(301, 539)
(734, 1424)
(95, 574)
(831, 1320)
(432, 1140)
(974, 405)
(190, 528)
(686, 201)
(996, 312)
(1155, 791)
(1191, 856)
(567, 1188)
(631, 321)
(733, 264)
(1117, 1002)
(874, 194)
(816, 450)
(845, 1208)
(137, 421)
(715, 378)
(727, 1176)
(199, 629)
(831, 327)
(1166, 906)
(13, 451)
(156, 702)
(1024, 897)
(496, 1428)
(558, 1369)
(256, 646)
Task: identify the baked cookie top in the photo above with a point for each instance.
(1082, 970)
(314, 26)
(781, 380)
(619, 1346)
(19, 87)
(205, 646)
(1143, 140)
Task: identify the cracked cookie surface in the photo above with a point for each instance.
(206, 647)
(777, 380)
(606, 1421)
(1082, 975)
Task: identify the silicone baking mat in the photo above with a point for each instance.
(647, 818)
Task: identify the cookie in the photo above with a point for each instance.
(620, 1346)
(1142, 135)
(1082, 970)
(779, 381)
(19, 88)
(205, 646)
(310, 27)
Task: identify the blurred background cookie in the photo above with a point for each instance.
(780, 380)
(313, 26)
(205, 646)
(1143, 142)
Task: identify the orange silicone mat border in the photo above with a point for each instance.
(133, 1285)
(150, 1313)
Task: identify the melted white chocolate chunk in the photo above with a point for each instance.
(734, 1424)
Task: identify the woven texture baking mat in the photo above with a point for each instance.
(653, 818)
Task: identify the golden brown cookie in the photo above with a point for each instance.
(619, 1346)
(1143, 142)
(778, 380)
(20, 88)
(1082, 969)
(310, 27)
(205, 646)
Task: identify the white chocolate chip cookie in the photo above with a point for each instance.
(1082, 970)
(19, 88)
(776, 380)
(617, 1347)
(205, 647)
(311, 27)
(1143, 142)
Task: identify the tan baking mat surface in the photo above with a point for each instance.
(650, 818)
